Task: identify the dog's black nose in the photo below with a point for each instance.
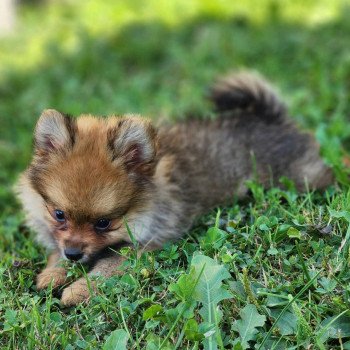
(74, 254)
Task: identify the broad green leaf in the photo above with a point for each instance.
(81, 344)
(262, 222)
(293, 233)
(184, 287)
(287, 324)
(340, 214)
(328, 285)
(10, 319)
(272, 251)
(151, 312)
(154, 342)
(237, 345)
(335, 327)
(214, 238)
(238, 288)
(192, 331)
(56, 317)
(117, 340)
(171, 314)
(247, 325)
(209, 291)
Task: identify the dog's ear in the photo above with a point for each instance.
(133, 141)
(54, 132)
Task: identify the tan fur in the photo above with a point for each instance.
(53, 273)
(156, 181)
(81, 289)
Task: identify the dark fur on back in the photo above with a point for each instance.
(213, 159)
(249, 93)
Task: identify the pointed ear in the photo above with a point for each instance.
(134, 142)
(54, 131)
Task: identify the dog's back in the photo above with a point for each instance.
(251, 138)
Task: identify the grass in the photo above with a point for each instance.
(286, 254)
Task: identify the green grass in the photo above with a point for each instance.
(157, 58)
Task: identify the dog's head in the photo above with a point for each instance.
(91, 174)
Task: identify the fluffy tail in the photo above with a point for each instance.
(248, 93)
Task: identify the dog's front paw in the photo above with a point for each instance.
(77, 292)
(56, 275)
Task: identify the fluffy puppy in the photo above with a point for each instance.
(89, 176)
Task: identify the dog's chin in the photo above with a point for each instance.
(85, 259)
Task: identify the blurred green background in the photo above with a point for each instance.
(157, 57)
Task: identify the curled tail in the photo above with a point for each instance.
(248, 95)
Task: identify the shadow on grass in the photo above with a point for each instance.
(161, 71)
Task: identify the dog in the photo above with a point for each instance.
(93, 180)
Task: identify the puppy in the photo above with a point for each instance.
(93, 180)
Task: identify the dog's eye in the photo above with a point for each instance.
(59, 215)
(102, 224)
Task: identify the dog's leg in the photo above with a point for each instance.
(52, 273)
(81, 289)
